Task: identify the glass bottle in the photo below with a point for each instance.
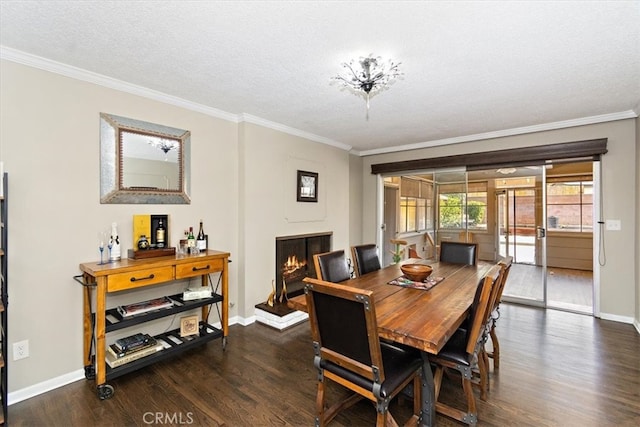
(114, 252)
(201, 240)
(191, 239)
(160, 235)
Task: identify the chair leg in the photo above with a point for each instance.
(472, 413)
(437, 381)
(320, 405)
(385, 420)
(496, 349)
(483, 367)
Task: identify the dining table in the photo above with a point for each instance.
(420, 318)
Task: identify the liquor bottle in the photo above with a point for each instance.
(191, 239)
(201, 240)
(160, 235)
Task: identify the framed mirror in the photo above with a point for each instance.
(143, 163)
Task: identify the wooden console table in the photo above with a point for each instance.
(129, 274)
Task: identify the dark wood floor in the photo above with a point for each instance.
(558, 369)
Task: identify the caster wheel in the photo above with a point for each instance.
(105, 391)
(90, 372)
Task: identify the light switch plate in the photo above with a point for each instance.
(613, 225)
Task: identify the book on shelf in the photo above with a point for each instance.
(118, 352)
(144, 306)
(133, 342)
(114, 362)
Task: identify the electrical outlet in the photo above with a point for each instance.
(20, 350)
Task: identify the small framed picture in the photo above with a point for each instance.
(307, 186)
(189, 325)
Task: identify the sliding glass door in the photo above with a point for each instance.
(521, 233)
(542, 216)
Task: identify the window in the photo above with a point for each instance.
(460, 207)
(416, 205)
(570, 204)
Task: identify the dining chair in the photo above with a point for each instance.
(461, 352)
(466, 237)
(481, 380)
(413, 253)
(353, 356)
(332, 266)
(459, 252)
(434, 250)
(495, 314)
(365, 258)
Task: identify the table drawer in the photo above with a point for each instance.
(139, 278)
(198, 268)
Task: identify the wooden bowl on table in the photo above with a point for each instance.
(416, 272)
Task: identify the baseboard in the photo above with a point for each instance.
(636, 323)
(617, 318)
(62, 380)
(45, 386)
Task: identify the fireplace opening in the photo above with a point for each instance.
(294, 260)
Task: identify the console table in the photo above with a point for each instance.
(129, 274)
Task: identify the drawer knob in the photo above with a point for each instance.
(201, 268)
(149, 277)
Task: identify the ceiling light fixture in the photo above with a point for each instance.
(372, 77)
(165, 145)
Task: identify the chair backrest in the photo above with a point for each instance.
(480, 308)
(344, 328)
(458, 252)
(466, 237)
(365, 258)
(505, 263)
(413, 253)
(332, 266)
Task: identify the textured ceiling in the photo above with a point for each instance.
(471, 68)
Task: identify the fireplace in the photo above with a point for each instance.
(294, 260)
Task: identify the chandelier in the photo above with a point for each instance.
(370, 78)
(163, 144)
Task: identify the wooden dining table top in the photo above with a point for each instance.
(423, 319)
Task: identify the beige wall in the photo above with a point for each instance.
(268, 173)
(618, 278)
(243, 188)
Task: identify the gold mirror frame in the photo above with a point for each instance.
(113, 130)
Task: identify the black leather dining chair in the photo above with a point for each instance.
(462, 351)
(332, 266)
(354, 357)
(365, 259)
(459, 252)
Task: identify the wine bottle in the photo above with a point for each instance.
(201, 241)
(191, 239)
(160, 235)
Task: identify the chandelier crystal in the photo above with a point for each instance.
(368, 76)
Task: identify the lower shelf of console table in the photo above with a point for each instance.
(102, 279)
(177, 345)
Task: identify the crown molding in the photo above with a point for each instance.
(20, 57)
(629, 114)
(88, 76)
(292, 131)
(24, 58)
